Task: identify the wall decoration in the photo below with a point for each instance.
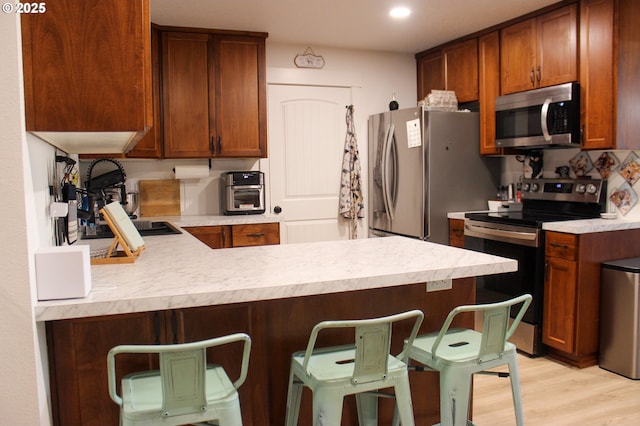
(308, 59)
(630, 168)
(606, 164)
(624, 198)
(581, 164)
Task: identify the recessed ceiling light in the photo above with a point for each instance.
(400, 12)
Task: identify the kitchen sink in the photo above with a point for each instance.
(145, 228)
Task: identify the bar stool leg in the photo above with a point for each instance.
(327, 407)
(404, 406)
(367, 404)
(294, 397)
(455, 388)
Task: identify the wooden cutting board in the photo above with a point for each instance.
(159, 197)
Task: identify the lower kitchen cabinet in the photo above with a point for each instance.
(571, 306)
(78, 356)
(456, 233)
(226, 236)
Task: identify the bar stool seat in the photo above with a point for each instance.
(361, 369)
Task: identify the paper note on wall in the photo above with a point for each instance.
(414, 138)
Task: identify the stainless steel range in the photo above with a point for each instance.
(519, 235)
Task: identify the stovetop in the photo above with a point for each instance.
(552, 200)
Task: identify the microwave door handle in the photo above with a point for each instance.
(386, 158)
(543, 119)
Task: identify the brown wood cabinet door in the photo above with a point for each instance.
(456, 233)
(185, 89)
(430, 74)
(460, 63)
(557, 47)
(78, 360)
(597, 85)
(518, 56)
(258, 234)
(559, 308)
(239, 129)
(87, 66)
(214, 236)
(489, 88)
(628, 62)
(150, 146)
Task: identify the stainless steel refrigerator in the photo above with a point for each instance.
(423, 165)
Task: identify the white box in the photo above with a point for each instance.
(63, 272)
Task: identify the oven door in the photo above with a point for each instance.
(525, 245)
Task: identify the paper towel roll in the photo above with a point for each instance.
(192, 171)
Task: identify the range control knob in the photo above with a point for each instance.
(592, 189)
(526, 187)
(535, 187)
(581, 188)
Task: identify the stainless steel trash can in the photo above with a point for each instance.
(620, 317)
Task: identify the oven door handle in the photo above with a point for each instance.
(517, 237)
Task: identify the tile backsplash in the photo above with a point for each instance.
(620, 168)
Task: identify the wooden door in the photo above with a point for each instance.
(489, 88)
(430, 74)
(185, 87)
(557, 47)
(559, 308)
(214, 236)
(78, 359)
(460, 63)
(307, 131)
(518, 57)
(239, 129)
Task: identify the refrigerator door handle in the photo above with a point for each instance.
(386, 157)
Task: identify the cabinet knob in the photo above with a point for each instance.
(277, 209)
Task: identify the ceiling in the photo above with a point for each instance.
(352, 24)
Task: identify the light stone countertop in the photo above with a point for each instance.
(178, 271)
(588, 226)
(215, 220)
(581, 226)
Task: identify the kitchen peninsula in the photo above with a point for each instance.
(180, 290)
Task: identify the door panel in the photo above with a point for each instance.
(306, 136)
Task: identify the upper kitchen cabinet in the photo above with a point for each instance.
(609, 34)
(214, 95)
(150, 146)
(87, 74)
(429, 73)
(540, 51)
(460, 69)
(489, 88)
(454, 67)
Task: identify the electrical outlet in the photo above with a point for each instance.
(445, 284)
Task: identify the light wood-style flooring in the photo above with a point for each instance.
(556, 394)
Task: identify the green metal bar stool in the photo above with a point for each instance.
(184, 391)
(459, 353)
(361, 369)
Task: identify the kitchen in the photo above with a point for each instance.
(23, 237)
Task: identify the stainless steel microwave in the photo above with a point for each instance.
(540, 118)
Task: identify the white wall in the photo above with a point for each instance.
(25, 226)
